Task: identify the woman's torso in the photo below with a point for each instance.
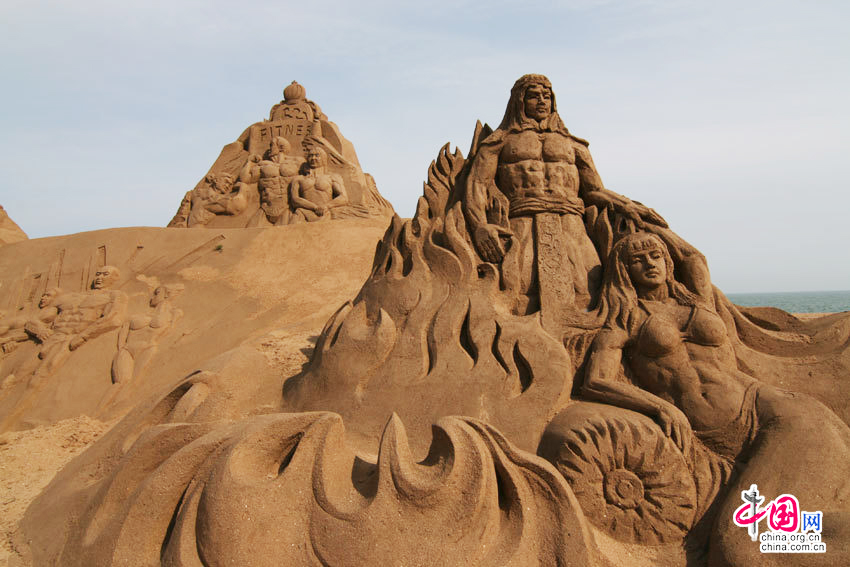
(682, 354)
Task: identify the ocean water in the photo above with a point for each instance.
(797, 301)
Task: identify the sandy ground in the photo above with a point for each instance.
(28, 462)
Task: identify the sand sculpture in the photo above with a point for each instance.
(317, 195)
(249, 184)
(140, 336)
(538, 371)
(75, 318)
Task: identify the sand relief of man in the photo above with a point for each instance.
(139, 337)
(525, 197)
(316, 194)
(79, 317)
(275, 174)
(19, 328)
(12, 332)
(215, 197)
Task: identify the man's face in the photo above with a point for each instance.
(280, 146)
(102, 278)
(46, 299)
(314, 158)
(538, 102)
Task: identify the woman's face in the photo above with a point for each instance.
(647, 268)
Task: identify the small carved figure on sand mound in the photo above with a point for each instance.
(276, 172)
(215, 196)
(80, 317)
(139, 337)
(20, 328)
(316, 194)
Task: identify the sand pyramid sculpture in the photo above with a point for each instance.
(294, 167)
(537, 371)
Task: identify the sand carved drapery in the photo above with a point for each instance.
(600, 392)
(249, 184)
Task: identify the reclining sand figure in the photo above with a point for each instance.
(215, 196)
(16, 329)
(676, 349)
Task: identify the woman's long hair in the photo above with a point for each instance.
(515, 118)
(619, 302)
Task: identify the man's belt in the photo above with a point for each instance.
(530, 206)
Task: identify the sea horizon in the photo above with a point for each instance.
(796, 301)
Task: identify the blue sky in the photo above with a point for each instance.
(730, 119)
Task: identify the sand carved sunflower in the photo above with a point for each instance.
(629, 478)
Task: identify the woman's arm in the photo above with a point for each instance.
(601, 385)
(692, 266)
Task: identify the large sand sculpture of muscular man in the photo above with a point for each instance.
(526, 193)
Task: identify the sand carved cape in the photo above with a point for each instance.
(358, 462)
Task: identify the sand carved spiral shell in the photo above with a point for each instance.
(629, 478)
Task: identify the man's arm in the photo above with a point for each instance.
(593, 192)
(39, 326)
(482, 177)
(340, 196)
(112, 318)
(296, 200)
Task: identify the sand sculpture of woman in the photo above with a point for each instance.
(139, 337)
(676, 349)
(528, 185)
